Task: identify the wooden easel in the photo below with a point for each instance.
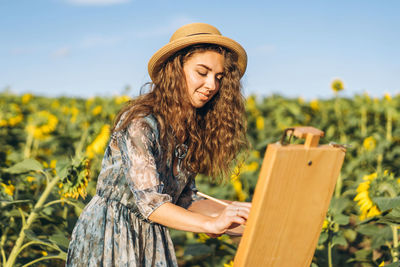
(290, 202)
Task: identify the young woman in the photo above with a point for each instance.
(191, 121)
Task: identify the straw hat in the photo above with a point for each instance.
(196, 33)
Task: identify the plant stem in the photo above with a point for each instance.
(330, 253)
(61, 201)
(28, 145)
(379, 163)
(32, 217)
(338, 188)
(389, 125)
(79, 148)
(35, 147)
(61, 256)
(338, 113)
(38, 243)
(363, 121)
(395, 249)
(2, 242)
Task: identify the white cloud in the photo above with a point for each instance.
(98, 40)
(96, 2)
(61, 52)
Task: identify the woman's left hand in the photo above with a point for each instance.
(236, 213)
(214, 209)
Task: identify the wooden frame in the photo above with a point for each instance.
(292, 196)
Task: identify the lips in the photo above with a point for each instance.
(203, 96)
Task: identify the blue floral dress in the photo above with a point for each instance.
(114, 229)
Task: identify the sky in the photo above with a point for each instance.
(91, 48)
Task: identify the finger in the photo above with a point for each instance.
(242, 204)
(239, 220)
(243, 213)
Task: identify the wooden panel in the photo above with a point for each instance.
(290, 201)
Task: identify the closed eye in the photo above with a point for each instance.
(202, 73)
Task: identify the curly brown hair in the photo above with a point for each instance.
(215, 134)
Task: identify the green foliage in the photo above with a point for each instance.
(38, 150)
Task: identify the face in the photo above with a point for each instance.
(203, 73)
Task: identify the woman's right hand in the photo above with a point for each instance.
(234, 214)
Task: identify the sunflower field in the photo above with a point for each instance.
(51, 151)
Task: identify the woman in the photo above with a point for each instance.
(192, 121)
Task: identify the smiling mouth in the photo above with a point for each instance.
(203, 96)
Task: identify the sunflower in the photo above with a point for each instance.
(369, 143)
(314, 105)
(121, 99)
(337, 85)
(375, 185)
(26, 98)
(388, 97)
(41, 124)
(251, 106)
(202, 238)
(260, 123)
(99, 143)
(97, 110)
(237, 183)
(8, 189)
(76, 180)
(367, 207)
(11, 115)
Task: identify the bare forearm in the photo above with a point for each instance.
(208, 207)
(179, 218)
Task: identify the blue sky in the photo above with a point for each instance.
(295, 48)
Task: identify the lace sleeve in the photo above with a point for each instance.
(188, 195)
(137, 144)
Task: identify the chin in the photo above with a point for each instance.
(198, 104)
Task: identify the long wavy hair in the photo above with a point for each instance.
(215, 134)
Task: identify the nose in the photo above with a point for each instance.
(211, 83)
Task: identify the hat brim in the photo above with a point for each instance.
(171, 48)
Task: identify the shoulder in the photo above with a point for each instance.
(152, 122)
(143, 126)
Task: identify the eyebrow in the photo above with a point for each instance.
(208, 68)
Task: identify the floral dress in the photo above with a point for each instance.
(114, 229)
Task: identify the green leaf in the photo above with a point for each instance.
(32, 236)
(197, 250)
(394, 264)
(62, 168)
(350, 235)
(385, 203)
(339, 240)
(368, 230)
(341, 219)
(362, 255)
(384, 234)
(337, 205)
(6, 203)
(389, 220)
(395, 212)
(61, 240)
(26, 165)
(322, 238)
